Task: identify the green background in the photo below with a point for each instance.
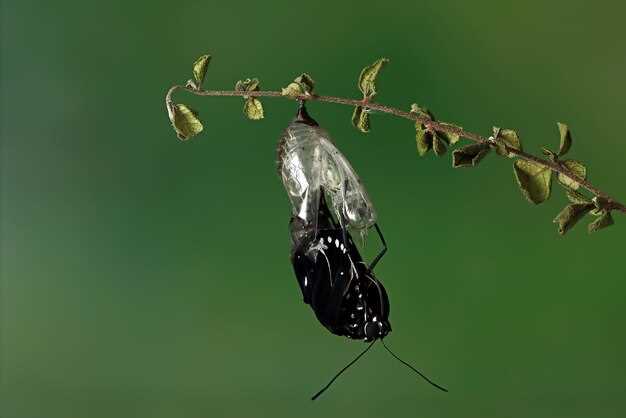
(147, 277)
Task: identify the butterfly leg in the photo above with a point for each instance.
(382, 252)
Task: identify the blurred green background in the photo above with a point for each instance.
(147, 277)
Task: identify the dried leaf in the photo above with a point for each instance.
(200, 67)
(509, 138)
(249, 84)
(534, 180)
(439, 144)
(605, 220)
(451, 137)
(576, 197)
(301, 86)
(361, 119)
(184, 120)
(600, 202)
(423, 138)
(292, 90)
(566, 139)
(421, 111)
(576, 168)
(470, 155)
(552, 156)
(571, 214)
(367, 79)
(306, 83)
(253, 108)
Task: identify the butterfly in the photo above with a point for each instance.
(335, 281)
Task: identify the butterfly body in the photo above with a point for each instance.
(340, 287)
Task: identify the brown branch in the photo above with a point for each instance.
(612, 204)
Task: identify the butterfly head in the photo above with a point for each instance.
(376, 329)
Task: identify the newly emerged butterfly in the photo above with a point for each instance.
(335, 281)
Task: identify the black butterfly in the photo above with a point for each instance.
(335, 281)
(340, 287)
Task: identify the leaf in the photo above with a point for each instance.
(509, 138)
(253, 108)
(367, 78)
(292, 90)
(553, 156)
(452, 137)
(200, 67)
(569, 216)
(576, 168)
(249, 84)
(361, 119)
(423, 138)
(566, 138)
(306, 83)
(576, 197)
(605, 220)
(600, 202)
(439, 145)
(534, 180)
(301, 86)
(184, 120)
(192, 85)
(421, 111)
(470, 155)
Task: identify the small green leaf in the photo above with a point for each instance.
(452, 137)
(576, 168)
(439, 144)
(184, 120)
(469, 155)
(306, 83)
(367, 79)
(253, 108)
(534, 180)
(566, 139)
(576, 197)
(199, 68)
(504, 138)
(605, 220)
(568, 217)
(249, 84)
(361, 119)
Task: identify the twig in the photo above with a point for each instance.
(611, 204)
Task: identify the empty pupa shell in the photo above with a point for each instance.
(309, 164)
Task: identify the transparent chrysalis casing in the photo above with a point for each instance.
(310, 164)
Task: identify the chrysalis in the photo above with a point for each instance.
(310, 165)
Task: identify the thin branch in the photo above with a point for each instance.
(612, 204)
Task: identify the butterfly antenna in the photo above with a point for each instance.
(342, 370)
(413, 368)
